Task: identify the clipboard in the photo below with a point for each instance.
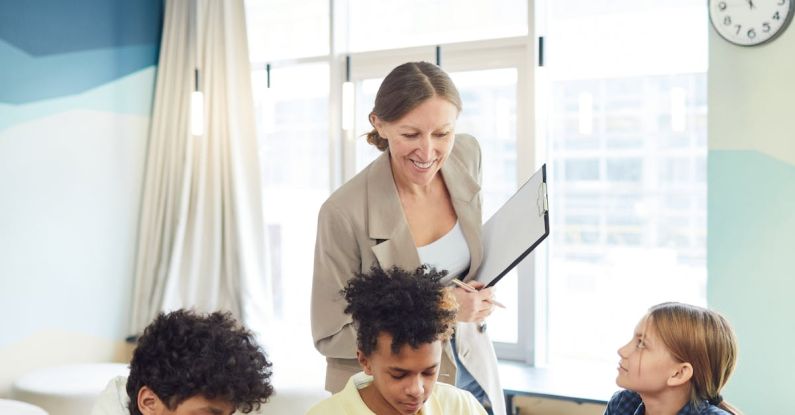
(519, 226)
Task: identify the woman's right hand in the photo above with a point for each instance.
(474, 307)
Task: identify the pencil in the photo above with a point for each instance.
(472, 289)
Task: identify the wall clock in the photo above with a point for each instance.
(750, 22)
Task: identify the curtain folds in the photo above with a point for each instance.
(201, 241)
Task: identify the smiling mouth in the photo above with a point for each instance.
(424, 165)
(622, 367)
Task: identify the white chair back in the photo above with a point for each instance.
(67, 390)
(10, 407)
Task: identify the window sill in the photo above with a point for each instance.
(580, 384)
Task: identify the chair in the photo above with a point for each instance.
(9, 407)
(66, 390)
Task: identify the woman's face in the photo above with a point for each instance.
(421, 141)
(403, 381)
(646, 365)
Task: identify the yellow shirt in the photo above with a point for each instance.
(445, 399)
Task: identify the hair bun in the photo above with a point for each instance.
(380, 142)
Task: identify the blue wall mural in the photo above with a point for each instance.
(76, 91)
(55, 48)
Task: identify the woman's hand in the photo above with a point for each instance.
(474, 307)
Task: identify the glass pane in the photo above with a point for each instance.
(269, 22)
(365, 99)
(292, 129)
(422, 22)
(627, 150)
(489, 114)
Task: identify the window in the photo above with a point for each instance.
(296, 124)
(626, 142)
(365, 100)
(292, 128)
(422, 22)
(269, 22)
(489, 99)
(620, 120)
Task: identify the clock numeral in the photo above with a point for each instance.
(777, 16)
(751, 33)
(722, 5)
(728, 20)
(739, 27)
(765, 27)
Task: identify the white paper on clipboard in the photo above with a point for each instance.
(515, 229)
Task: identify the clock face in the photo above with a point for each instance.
(750, 22)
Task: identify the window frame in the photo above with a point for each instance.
(517, 52)
(520, 52)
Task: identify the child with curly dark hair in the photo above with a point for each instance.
(402, 319)
(187, 363)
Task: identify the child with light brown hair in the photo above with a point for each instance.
(677, 363)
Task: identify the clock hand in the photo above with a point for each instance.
(751, 3)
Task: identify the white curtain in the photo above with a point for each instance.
(202, 233)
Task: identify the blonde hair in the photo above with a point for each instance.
(702, 338)
(404, 89)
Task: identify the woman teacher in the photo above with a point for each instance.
(418, 203)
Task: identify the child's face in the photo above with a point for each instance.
(645, 365)
(404, 380)
(199, 405)
(150, 404)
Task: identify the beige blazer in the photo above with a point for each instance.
(361, 225)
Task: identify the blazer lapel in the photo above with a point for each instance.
(464, 192)
(387, 223)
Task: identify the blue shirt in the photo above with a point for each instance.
(629, 403)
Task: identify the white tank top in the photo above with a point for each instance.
(450, 253)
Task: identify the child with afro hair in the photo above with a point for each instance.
(402, 319)
(187, 363)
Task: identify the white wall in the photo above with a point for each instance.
(70, 186)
